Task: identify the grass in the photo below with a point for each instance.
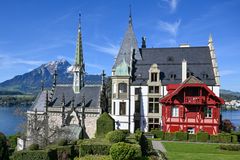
(190, 151)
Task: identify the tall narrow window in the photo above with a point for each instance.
(208, 112)
(114, 107)
(154, 77)
(122, 108)
(175, 111)
(153, 105)
(137, 91)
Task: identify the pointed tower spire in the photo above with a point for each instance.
(129, 48)
(79, 67)
(214, 59)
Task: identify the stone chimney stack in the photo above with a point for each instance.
(184, 70)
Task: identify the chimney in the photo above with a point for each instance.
(184, 70)
(144, 42)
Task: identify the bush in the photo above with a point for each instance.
(138, 135)
(64, 152)
(232, 147)
(105, 124)
(94, 157)
(116, 136)
(33, 147)
(214, 138)
(158, 133)
(3, 147)
(192, 137)
(169, 136)
(12, 140)
(94, 148)
(202, 137)
(125, 151)
(146, 145)
(181, 136)
(225, 138)
(34, 155)
(62, 142)
(234, 139)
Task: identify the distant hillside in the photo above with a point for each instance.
(30, 82)
(229, 95)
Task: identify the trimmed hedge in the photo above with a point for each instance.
(234, 139)
(105, 124)
(169, 136)
(33, 147)
(214, 139)
(3, 147)
(225, 138)
(138, 134)
(202, 137)
(116, 136)
(158, 133)
(181, 136)
(123, 151)
(34, 155)
(233, 147)
(64, 152)
(146, 145)
(94, 148)
(192, 137)
(62, 142)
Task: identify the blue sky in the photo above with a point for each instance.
(34, 32)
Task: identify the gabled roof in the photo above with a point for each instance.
(129, 44)
(169, 61)
(191, 82)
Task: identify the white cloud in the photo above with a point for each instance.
(109, 48)
(172, 4)
(171, 28)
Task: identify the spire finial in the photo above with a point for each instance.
(79, 21)
(130, 14)
(210, 39)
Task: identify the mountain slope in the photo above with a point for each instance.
(229, 95)
(30, 82)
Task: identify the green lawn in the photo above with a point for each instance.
(193, 151)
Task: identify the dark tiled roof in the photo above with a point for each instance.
(128, 44)
(91, 93)
(169, 62)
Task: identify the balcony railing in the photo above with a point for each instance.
(194, 100)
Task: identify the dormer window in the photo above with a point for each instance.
(122, 87)
(204, 76)
(154, 77)
(172, 76)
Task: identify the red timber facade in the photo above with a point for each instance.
(191, 107)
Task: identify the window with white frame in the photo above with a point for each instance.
(153, 105)
(175, 111)
(191, 131)
(153, 123)
(154, 77)
(153, 89)
(208, 112)
(122, 108)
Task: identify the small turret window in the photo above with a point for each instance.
(154, 77)
(122, 87)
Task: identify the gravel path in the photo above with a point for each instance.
(158, 146)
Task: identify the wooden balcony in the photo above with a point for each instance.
(194, 100)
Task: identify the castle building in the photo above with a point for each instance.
(140, 77)
(74, 107)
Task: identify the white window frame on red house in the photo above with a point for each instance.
(175, 111)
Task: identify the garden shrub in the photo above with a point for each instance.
(3, 147)
(94, 148)
(181, 136)
(125, 151)
(116, 136)
(192, 137)
(94, 157)
(234, 139)
(62, 142)
(138, 135)
(158, 133)
(34, 155)
(225, 138)
(64, 152)
(230, 147)
(105, 124)
(33, 147)
(214, 138)
(202, 137)
(146, 145)
(169, 136)
(12, 140)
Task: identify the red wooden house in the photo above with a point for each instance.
(190, 107)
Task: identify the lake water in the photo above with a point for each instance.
(10, 121)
